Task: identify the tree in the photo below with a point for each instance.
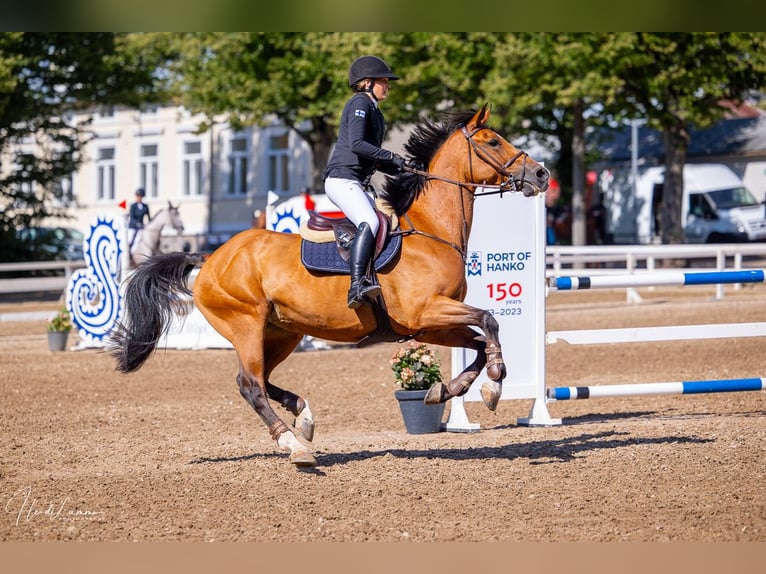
(544, 84)
(678, 80)
(43, 76)
(302, 78)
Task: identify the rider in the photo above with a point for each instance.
(138, 211)
(355, 158)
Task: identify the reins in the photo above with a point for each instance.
(509, 185)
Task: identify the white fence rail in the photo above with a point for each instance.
(16, 285)
(559, 257)
(637, 259)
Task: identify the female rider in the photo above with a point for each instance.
(355, 158)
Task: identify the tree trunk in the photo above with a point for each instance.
(676, 139)
(578, 175)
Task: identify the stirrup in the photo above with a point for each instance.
(370, 290)
(362, 294)
(356, 300)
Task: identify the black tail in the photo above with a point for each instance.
(153, 291)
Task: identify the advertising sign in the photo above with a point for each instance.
(505, 270)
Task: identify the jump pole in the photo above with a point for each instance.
(671, 388)
(675, 278)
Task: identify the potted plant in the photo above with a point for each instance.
(416, 367)
(58, 330)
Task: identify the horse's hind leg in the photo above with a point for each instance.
(298, 406)
(255, 394)
(254, 370)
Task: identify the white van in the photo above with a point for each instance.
(718, 208)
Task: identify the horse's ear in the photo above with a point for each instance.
(170, 205)
(480, 118)
(484, 114)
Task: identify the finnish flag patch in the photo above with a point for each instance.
(360, 113)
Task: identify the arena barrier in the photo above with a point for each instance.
(94, 294)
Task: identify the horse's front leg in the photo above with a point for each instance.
(488, 354)
(495, 365)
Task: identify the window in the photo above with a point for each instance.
(699, 206)
(62, 192)
(149, 169)
(238, 166)
(192, 168)
(279, 162)
(105, 174)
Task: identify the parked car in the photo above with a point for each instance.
(47, 243)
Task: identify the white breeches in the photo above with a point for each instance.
(353, 201)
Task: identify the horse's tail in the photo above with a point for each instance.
(155, 289)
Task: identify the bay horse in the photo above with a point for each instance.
(256, 293)
(147, 243)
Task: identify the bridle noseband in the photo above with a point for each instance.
(510, 184)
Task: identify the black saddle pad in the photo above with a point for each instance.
(325, 257)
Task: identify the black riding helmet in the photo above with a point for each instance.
(369, 67)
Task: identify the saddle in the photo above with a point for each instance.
(326, 242)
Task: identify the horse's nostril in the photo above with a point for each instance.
(542, 174)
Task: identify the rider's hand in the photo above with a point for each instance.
(399, 162)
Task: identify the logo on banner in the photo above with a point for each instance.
(474, 263)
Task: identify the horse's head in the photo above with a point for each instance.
(500, 162)
(175, 218)
(487, 159)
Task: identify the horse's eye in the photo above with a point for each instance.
(494, 142)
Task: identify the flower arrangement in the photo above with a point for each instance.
(415, 367)
(61, 322)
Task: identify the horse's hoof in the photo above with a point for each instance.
(305, 427)
(434, 394)
(304, 423)
(302, 458)
(490, 394)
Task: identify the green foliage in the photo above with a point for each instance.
(43, 76)
(677, 81)
(673, 80)
(61, 322)
(415, 367)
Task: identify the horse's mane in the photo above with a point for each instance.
(427, 136)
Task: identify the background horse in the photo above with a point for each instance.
(255, 291)
(147, 243)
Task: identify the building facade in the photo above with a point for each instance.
(218, 178)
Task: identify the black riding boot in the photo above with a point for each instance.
(362, 249)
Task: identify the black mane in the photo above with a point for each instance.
(427, 136)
